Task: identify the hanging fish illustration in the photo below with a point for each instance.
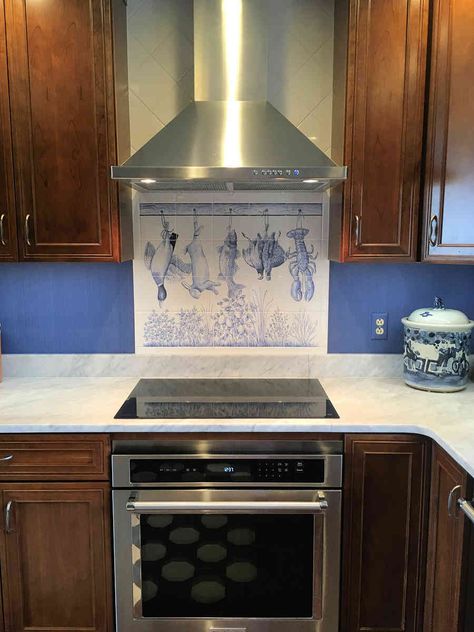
(159, 260)
(228, 254)
(264, 253)
(199, 266)
(302, 262)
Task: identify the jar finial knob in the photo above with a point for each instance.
(439, 303)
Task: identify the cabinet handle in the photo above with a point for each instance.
(434, 230)
(466, 507)
(7, 457)
(8, 517)
(2, 232)
(357, 227)
(27, 229)
(452, 493)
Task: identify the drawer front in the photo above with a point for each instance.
(54, 457)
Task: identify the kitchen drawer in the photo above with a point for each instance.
(54, 457)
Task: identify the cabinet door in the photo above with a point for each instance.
(61, 87)
(386, 63)
(449, 184)
(57, 570)
(384, 497)
(8, 240)
(445, 546)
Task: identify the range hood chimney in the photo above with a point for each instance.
(230, 137)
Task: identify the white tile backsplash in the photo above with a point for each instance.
(261, 313)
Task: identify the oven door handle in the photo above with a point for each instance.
(244, 506)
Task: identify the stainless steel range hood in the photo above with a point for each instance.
(230, 137)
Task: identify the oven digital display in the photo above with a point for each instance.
(199, 470)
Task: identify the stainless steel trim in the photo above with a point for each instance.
(2, 232)
(227, 507)
(8, 517)
(121, 470)
(452, 504)
(434, 230)
(219, 447)
(27, 229)
(467, 508)
(7, 457)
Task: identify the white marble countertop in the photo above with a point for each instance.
(82, 404)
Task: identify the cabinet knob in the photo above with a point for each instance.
(7, 457)
(2, 232)
(434, 230)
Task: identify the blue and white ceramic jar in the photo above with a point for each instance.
(437, 348)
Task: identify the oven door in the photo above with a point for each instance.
(227, 560)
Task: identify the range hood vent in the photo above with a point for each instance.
(230, 137)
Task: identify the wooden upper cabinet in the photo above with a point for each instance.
(449, 176)
(8, 238)
(383, 120)
(56, 571)
(384, 524)
(63, 109)
(446, 546)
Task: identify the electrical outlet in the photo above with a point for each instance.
(379, 326)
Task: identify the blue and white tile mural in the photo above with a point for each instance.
(207, 275)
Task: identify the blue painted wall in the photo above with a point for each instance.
(88, 308)
(358, 289)
(66, 308)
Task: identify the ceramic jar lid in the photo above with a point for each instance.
(439, 318)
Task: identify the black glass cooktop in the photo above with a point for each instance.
(227, 399)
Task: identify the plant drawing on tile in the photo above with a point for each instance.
(240, 314)
(302, 263)
(264, 253)
(199, 265)
(238, 322)
(228, 254)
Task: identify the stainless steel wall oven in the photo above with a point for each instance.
(220, 536)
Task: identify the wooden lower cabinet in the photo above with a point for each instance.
(384, 523)
(56, 558)
(448, 529)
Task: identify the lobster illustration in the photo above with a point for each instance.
(302, 263)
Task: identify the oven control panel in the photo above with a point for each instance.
(233, 470)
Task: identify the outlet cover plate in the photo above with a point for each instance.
(379, 326)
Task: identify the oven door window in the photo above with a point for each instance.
(224, 566)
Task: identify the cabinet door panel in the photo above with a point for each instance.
(445, 546)
(449, 185)
(61, 83)
(384, 128)
(57, 558)
(383, 522)
(8, 239)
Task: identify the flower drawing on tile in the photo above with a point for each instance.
(279, 329)
(159, 329)
(199, 265)
(234, 321)
(302, 263)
